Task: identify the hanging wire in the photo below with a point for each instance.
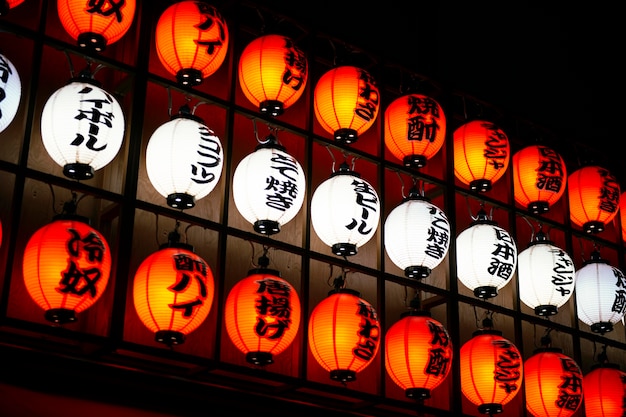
(71, 65)
(401, 184)
(332, 157)
(169, 101)
(156, 229)
(256, 133)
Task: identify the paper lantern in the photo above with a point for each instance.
(546, 276)
(418, 354)
(417, 235)
(415, 129)
(191, 41)
(345, 210)
(486, 257)
(622, 215)
(184, 159)
(604, 389)
(539, 178)
(66, 267)
(173, 292)
(269, 186)
(346, 102)
(600, 294)
(94, 25)
(491, 370)
(82, 127)
(6, 5)
(593, 195)
(10, 92)
(273, 73)
(481, 154)
(262, 315)
(344, 334)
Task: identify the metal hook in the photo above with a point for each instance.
(333, 158)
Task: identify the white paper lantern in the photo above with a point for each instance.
(345, 210)
(184, 159)
(417, 235)
(82, 127)
(269, 186)
(10, 92)
(600, 294)
(486, 257)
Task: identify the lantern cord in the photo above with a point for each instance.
(401, 184)
(169, 101)
(532, 229)
(602, 356)
(156, 229)
(252, 258)
(330, 275)
(69, 61)
(332, 157)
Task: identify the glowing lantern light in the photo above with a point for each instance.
(546, 276)
(66, 267)
(415, 129)
(82, 127)
(481, 154)
(604, 388)
(417, 235)
(481, 246)
(593, 198)
(599, 294)
(10, 92)
(346, 102)
(539, 178)
(622, 214)
(6, 5)
(184, 159)
(273, 73)
(96, 25)
(191, 41)
(269, 207)
(345, 210)
(344, 334)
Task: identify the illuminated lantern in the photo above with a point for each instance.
(66, 267)
(262, 315)
(622, 214)
(82, 127)
(417, 235)
(273, 73)
(191, 41)
(486, 257)
(553, 384)
(415, 129)
(173, 292)
(599, 294)
(418, 354)
(605, 391)
(269, 187)
(539, 178)
(345, 210)
(546, 276)
(10, 92)
(593, 198)
(481, 154)
(344, 334)
(346, 102)
(184, 159)
(96, 25)
(6, 5)
(491, 370)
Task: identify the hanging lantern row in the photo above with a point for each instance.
(10, 92)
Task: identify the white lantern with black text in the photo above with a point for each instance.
(10, 92)
(184, 159)
(269, 187)
(345, 210)
(82, 127)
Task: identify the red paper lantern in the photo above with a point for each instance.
(415, 129)
(622, 214)
(593, 198)
(344, 334)
(191, 41)
(539, 178)
(481, 154)
(66, 267)
(418, 354)
(95, 25)
(604, 388)
(6, 5)
(273, 73)
(346, 102)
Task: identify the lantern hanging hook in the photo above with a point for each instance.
(332, 156)
(401, 184)
(69, 62)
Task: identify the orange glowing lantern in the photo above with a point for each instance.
(66, 267)
(539, 178)
(481, 154)
(191, 41)
(273, 73)
(605, 391)
(346, 102)
(344, 334)
(593, 198)
(415, 129)
(96, 25)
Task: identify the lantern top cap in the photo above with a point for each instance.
(85, 76)
(606, 365)
(270, 142)
(344, 291)
(264, 271)
(547, 349)
(72, 217)
(416, 194)
(416, 313)
(177, 245)
(481, 332)
(595, 259)
(184, 112)
(541, 238)
(483, 218)
(344, 169)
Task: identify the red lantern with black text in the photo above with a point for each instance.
(605, 391)
(593, 198)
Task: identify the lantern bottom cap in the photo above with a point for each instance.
(189, 77)
(538, 207)
(78, 171)
(417, 272)
(414, 161)
(490, 408)
(481, 185)
(346, 136)
(60, 315)
(417, 393)
(92, 41)
(344, 249)
(602, 327)
(593, 227)
(259, 358)
(343, 375)
(169, 337)
(546, 310)
(272, 107)
(181, 200)
(486, 291)
(266, 227)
